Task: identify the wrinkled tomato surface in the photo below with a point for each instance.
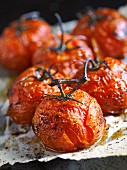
(108, 84)
(20, 40)
(67, 125)
(26, 92)
(66, 59)
(108, 28)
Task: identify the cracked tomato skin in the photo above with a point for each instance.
(67, 61)
(25, 95)
(110, 32)
(108, 85)
(20, 40)
(68, 125)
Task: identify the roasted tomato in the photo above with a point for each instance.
(21, 39)
(65, 57)
(108, 84)
(27, 91)
(106, 27)
(68, 124)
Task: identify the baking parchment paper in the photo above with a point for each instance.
(19, 144)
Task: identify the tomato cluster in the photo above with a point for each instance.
(72, 82)
(65, 120)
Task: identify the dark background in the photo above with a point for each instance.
(12, 9)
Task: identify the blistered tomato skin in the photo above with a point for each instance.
(109, 31)
(26, 92)
(68, 61)
(108, 85)
(68, 125)
(20, 40)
